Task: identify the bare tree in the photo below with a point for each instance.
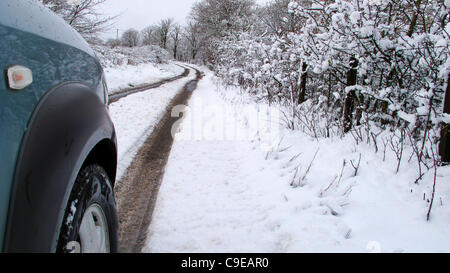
(148, 35)
(130, 38)
(56, 6)
(82, 15)
(163, 30)
(175, 34)
(278, 20)
(193, 36)
(220, 18)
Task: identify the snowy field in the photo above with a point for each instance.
(126, 76)
(236, 183)
(136, 115)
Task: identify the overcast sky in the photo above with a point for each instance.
(138, 14)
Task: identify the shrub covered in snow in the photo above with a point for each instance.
(339, 65)
(110, 57)
(375, 70)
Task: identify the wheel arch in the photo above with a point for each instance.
(104, 154)
(69, 127)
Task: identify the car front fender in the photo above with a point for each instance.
(65, 127)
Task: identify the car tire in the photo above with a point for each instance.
(90, 221)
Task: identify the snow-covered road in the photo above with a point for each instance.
(135, 116)
(203, 203)
(221, 194)
(143, 124)
(227, 194)
(238, 181)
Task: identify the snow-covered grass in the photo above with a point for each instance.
(128, 67)
(110, 57)
(126, 76)
(228, 187)
(136, 115)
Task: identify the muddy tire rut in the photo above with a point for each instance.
(137, 192)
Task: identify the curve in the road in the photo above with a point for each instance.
(137, 192)
(128, 91)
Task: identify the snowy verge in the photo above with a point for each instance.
(126, 76)
(233, 186)
(110, 57)
(136, 115)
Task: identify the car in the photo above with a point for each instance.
(58, 147)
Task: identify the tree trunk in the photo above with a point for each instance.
(304, 77)
(175, 49)
(415, 16)
(350, 98)
(447, 97)
(444, 146)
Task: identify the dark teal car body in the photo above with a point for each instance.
(49, 129)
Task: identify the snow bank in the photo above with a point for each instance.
(126, 76)
(128, 67)
(110, 57)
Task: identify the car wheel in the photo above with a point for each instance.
(90, 221)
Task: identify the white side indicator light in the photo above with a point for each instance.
(19, 77)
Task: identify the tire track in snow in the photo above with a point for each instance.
(128, 91)
(137, 191)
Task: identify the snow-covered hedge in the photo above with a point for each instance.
(360, 67)
(110, 57)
